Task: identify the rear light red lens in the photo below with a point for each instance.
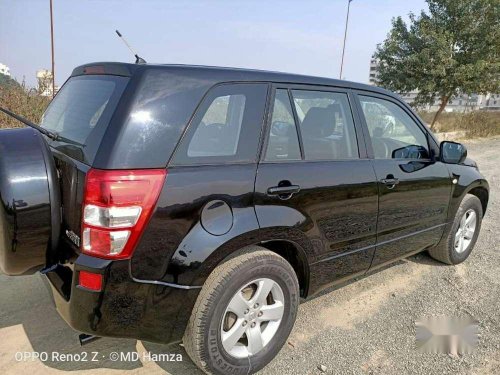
(91, 281)
(96, 69)
(122, 188)
(118, 199)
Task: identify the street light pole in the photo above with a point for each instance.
(52, 50)
(345, 36)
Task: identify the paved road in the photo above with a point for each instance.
(365, 327)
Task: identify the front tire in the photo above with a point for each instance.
(458, 245)
(243, 314)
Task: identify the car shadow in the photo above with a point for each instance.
(425, 258)
(342, 284)
(26, 302)
(31, 319)
(420, 258)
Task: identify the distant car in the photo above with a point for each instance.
(200, 203)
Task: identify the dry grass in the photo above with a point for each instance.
(21, 100)
(477, 124)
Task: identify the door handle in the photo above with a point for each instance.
(390, 182)
(283, 192)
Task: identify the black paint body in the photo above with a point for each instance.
(342, 223)
(29, 224)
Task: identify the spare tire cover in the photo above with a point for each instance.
(29, 201)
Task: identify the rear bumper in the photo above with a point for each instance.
(124, 307)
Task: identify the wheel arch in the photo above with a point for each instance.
(294, 255)
(289, 250)
(483, 194)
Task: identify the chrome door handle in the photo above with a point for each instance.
(390, 182)
(283, 192)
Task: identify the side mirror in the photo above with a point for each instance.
(410, 152)
(452, 152)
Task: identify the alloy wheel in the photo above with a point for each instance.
(465, 231)
(252, 318)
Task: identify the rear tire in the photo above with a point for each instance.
(251, 274)
(458, 245)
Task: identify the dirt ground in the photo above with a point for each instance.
(364, 327)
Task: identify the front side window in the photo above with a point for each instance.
(393, 133)
(226, 127)
(326, 125)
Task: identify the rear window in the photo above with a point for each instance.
(81, 112)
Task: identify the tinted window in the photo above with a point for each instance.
(326, 125)
(220, 128)
(393, 132)
(81, 112)
(226, 127)
(163, 104)
(283, 143)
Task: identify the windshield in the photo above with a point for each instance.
(81, 112)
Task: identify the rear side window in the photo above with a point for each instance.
(283, 141)
(326, 125)
(226, 127)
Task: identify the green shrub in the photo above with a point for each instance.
(21, 100)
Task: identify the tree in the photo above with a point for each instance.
(452, 49)
(6, 81)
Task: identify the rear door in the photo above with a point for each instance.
(80, 114)
(315, 185)
(414, 189)
(207, 201)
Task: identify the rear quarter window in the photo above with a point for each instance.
(226, 127)
(161, 107)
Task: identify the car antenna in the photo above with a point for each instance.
(138, 59)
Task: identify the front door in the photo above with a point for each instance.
(315, 186)
(414, 190)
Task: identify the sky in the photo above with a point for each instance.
(291, 36)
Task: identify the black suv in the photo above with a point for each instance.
(199, 203)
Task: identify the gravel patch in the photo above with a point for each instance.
(363, 327)
(367, 326)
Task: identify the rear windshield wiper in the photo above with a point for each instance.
(52, 135)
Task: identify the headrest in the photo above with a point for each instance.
(319, 122)
(335, 107)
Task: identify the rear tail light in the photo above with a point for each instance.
(89, 280)
(116, 208)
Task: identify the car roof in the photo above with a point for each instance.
(221, 74)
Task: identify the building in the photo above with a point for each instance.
(459, 103)
(4, 69)
(489, 102)
(44, 78)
